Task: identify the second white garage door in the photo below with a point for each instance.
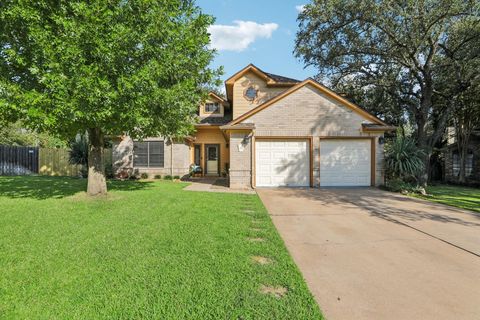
(282, 163)
(345, 162)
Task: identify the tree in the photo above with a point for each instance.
(16, 134)
(391, 46)
(466, 119)
(78, 153)
(107, 67)
(375, 100)
(458, 84)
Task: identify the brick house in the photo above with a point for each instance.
(472, 165)
(269, 131)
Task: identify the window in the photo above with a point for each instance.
(197, 155)
(212, 107)
(250, 94)
(468, 164)
(148, 154)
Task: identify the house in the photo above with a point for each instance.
(270, 131)
(451, 157)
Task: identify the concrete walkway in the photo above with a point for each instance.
(214, 184)
(370, 254)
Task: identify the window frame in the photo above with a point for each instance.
(250, 98)
(162, 155)
(205, 108)
(469, 163)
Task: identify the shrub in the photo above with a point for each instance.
(176, 177)
(78, 153)
(403, 159)
(167, 177)
(157, 176)
(109, 171)
(144, 175)
(398, 185)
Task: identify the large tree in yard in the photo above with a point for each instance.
(106, 66)
(391, 48)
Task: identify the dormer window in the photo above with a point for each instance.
(212, 107)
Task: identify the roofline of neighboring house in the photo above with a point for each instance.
(323, 89)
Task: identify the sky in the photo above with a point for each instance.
(261, 32)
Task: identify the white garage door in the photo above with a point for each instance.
(282, 163)
(345, 162)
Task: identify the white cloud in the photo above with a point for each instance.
(240, 35)
(300, 8)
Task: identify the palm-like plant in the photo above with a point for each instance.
(403, 158)
(79, 152)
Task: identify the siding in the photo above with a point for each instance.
(242, 105)
(211, 136)
(122, 157)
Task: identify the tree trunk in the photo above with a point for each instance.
(462, 152)
(97, 184)
(423, 145)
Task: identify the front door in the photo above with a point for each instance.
(212, 159)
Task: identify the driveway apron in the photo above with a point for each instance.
(371, 254)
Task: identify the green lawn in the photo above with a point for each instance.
(462, 197)
(148, 251)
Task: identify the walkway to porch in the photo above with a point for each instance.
(214, 184)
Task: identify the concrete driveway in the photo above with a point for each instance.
(370, 254)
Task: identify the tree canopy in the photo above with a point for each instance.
(15, 134)
(391, 49)
(108, 67)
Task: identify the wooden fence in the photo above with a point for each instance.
(16, 160)
(54, 162)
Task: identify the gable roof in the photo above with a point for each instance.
(322, 89)
(281, 79)
(270, 79)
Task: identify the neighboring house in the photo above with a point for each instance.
(472, 161)
(270, 131)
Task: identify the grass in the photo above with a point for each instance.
(149, 250)
(461, 197)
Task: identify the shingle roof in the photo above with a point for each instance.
(376, 126)
(217, 120)
(240, 126)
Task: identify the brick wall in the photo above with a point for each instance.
(474, 146)
(306, 112)
(123, 166)
(240, 159)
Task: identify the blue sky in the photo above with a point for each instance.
(261, 32)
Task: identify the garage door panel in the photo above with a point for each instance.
(345, 162)
(282, 163)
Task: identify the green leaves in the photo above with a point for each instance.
(403, 158)
(122, 66)
(392, 55)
